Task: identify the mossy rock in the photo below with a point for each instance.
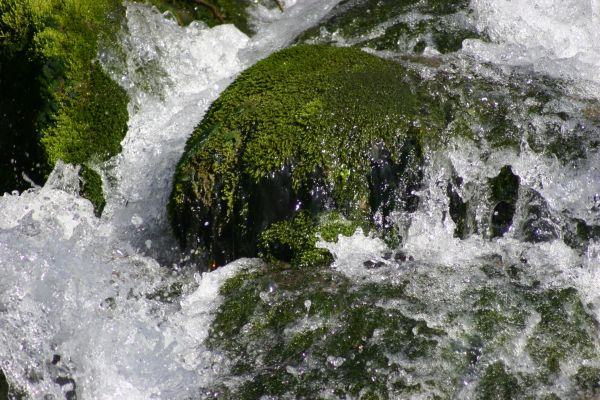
(212, 12)
(58, 102)
(498, 384)
(406, 26)
(311, 128)
(295, 241)
(405, 332)
(295, 333)
(3, 386)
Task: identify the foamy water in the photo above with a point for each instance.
(559, 38)
(84, 302)
(80, 298)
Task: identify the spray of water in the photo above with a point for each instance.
(87, 307)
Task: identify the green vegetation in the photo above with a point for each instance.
(498, 384)
(302, 332)
(311, 128)
(294, 241)
(348, 343)
(60, 103)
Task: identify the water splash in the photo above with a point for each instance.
(559, 38)
(84, 307)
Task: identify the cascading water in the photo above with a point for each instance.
(86, 308)
(83, 310)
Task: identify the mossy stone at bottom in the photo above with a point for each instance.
(91, 189)
(344, 345)
(404, 332)
(312, 129)
(498, 384)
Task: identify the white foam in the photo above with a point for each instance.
(76, 286)
(559, 38)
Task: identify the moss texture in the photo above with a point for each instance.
(405, 25)
(294, 241)
(315, 333)
(311, 128)
(348, 344)
(61, 104)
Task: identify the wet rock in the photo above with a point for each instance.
(348, 352)
(460, 209)
(405, 26)
(504, 194)
(577, 233)
(355, 330)
(370, 264)
(539, 224)
(588, 382)
(400, 256)
(3, 386)
(499, 384)
(58, 103)
(269, 148)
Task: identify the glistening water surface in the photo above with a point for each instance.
(104, 309)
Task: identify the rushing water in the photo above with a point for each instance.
(87, 305)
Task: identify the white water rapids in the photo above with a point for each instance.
(78, 294)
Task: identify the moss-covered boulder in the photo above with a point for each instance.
(311, 128)
(393, 328)
(407, 26)
(57, 101)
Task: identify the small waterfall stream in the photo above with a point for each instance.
(104, 308)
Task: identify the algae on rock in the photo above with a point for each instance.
(312, 128)
(60, 103)
(408, 331)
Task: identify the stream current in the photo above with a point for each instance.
(80, 297)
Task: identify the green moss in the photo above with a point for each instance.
(297, 332)
(91, 189)
(565, 329)
(498, 384)
(92, 124)
(74, 110)
(494, 314)
(355, 336)
(269, 147)
(588, 382)
(295, 240)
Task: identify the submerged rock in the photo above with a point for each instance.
(407, 26)
(312, 129)
(323, 332)
(57, 101)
